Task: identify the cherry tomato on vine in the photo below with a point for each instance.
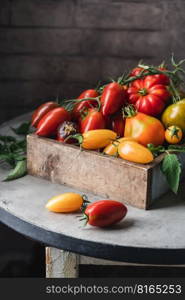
(41, 111)
(104, 213)
(81, 106)
(49, 123)
(173, 134)
(91, 121)
(112, 98)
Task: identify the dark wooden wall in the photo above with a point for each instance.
(68, 45)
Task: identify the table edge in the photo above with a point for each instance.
(128, 254)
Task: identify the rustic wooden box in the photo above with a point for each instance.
(110, 177)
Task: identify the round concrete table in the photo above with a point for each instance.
(154, 237)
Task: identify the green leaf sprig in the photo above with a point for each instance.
(170, 165)
(13, 151)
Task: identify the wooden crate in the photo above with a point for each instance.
(111, 178)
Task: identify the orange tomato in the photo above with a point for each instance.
(112, 149)
(173, 134)
(145, 129)
(133, 151)
(67, 202)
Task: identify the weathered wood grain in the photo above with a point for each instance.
(90, 171)
(61, 264)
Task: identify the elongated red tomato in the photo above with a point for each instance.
(112, 99)
(49, 123)
(147, 96)
(41, 111)
(105, 213)
(79, 107)
(118, 124)
(93, 120)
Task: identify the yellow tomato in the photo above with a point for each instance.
(112, 148)
(133, 151)
(95, 139)
(173, 134)
(67, 202)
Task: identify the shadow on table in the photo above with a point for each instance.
(170, 199)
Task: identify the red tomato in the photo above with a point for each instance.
(157, 78)
(118, 124)
(93, 120)
(112, 99)
(79, 107)
(147, 96)
(105, 213)
(49, 123)
(41, 111)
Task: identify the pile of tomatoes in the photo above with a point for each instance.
(120, 118)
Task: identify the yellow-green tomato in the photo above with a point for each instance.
(63, 203)
(174, 114)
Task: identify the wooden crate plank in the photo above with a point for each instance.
(87, 170)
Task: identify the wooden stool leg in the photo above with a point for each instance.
(61, 264)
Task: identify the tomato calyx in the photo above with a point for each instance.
(174, 131)
(77, 137)
(143, 92)
(129, 111)
(84, 218)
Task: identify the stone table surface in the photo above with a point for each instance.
(156, 236)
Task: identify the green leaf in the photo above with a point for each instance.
(171, 168)
(156, 150)
(7, 138)
(24, 128)
(19, 171)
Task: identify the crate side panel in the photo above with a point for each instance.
(159, 184)
(107, 177)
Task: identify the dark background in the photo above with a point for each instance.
(48, 46)
(51, 47)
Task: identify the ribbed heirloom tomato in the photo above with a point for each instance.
(157, 78)
(148, 96)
